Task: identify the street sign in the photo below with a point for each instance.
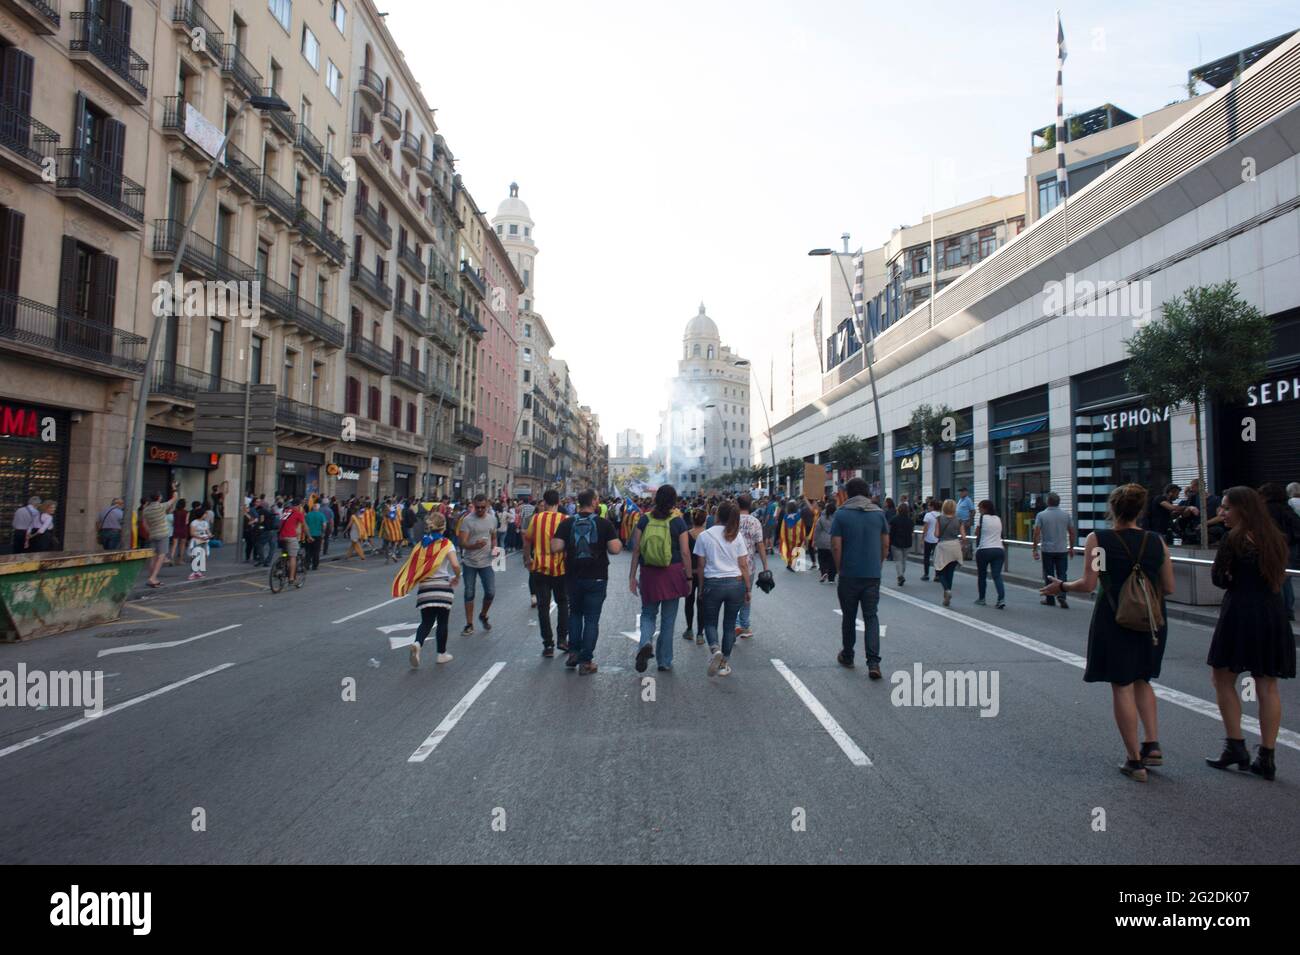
(219, 421)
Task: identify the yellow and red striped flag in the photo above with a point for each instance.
(424, 560)
(392, 526)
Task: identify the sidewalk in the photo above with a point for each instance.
(224, 563)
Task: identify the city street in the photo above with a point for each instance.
(227, 704)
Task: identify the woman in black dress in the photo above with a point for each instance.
(1253, 632)
(1126, 659)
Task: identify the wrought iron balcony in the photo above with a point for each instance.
(468, 435)
(442, 451)
(310, 147)
(439, 274)
(370, 353)
(42, 16)
(283, 120)
(374, 223)
(276, 198)
(334, 175)
(77, 171)
(410, 146)
(297, 416)
(408, 374)
(411, 259)
(171, 380)
(442, 332)
(390, 119)
(370, 284)
(371, 87)
(290, 307)
(440, 386)
(410, 314)
(315, 232)
(189, 15)
(237, 68)
(92, 36)
(475, 279)
(425, 170)
(29, 140)
(242, 170)
(202, 257)
(36, 325)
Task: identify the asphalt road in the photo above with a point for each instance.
(546, 766)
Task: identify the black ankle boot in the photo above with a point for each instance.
(1151, 754)
(1234, 751)
(1263, 764)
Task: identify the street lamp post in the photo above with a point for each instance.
(869, 347)
(271, 103)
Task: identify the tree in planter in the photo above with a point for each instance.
(1208, 346)
(850, 453)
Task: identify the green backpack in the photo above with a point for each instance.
(657, 543)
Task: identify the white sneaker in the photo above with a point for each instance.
(415, 656)
(716, 662)
(533, 602)
(725, 670)
(444, 658)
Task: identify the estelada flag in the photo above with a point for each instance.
(368, 522)
(392, 525)
(791, 536)
(424, 560)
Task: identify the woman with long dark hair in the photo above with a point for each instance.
(990, 552)
(1253, 633)
(1126, 659)
(693, 598)
(724, 583)
(660, 545)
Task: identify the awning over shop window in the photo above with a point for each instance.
(1018, 429)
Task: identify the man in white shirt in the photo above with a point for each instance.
(931, 539)
(25, 518)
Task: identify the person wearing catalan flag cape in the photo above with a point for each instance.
(791, 535)
(391, 530)
(433, 570)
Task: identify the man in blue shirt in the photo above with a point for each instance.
(860, 545)
(965, 508)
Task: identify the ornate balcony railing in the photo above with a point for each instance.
(369, 217)
(237, 67)
(292, 308)
(475, 278)
(411, 259)
(297, 416)
(202, 257)
(177, 381)
(243, 170)
(25, 137)
(369, 82)
(91, 35)
(77, 170)
(372, 353)
(283, 120)
(372, 284)
(37, 325)
(315, 232)
(334, 174)
(276, 198)
(191, 14)
(409, 374)
(310, 146)
(468, 434)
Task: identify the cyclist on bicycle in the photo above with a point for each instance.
(293, 531)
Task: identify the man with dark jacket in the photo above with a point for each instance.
(900, 539)
(860, 541)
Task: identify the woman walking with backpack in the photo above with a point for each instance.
(724, 583)
(1253, 632)
(660, 545)
(1126, 639)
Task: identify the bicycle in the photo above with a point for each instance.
(280, 571)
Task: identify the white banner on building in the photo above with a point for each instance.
(202, 132)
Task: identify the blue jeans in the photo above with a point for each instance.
(945, 576)
(860, 593)
(742, 618)
(667, 612)
(487, 575)
(990, 560)
(585, 600)
(262, 550)
(728, 595)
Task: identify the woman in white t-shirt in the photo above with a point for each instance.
(930, 540)
(990, 552)
(724, 579)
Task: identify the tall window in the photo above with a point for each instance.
(372, 404)
(334, 80)
(257, 360)
(352, 398)
(310, 47)
(1049, 196)
(395, 411)
(340, 16)
(282, 10)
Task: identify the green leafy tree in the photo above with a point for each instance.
(849, 452)
(1208, 346)
(789, 468)
(927, 424)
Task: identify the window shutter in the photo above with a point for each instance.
(114, 147)
(354, 396)
(16, 89)
(11, 234)
(68, 276)
(103, 290)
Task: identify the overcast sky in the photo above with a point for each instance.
(684, 151)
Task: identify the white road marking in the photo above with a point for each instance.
(859, 623)
(845, 742)
(1188, 702)
(451, 719)
(394, 627)
(112, 709)
(136, 647)
(366, 611)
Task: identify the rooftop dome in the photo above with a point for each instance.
(701, 326)
(513, 207)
